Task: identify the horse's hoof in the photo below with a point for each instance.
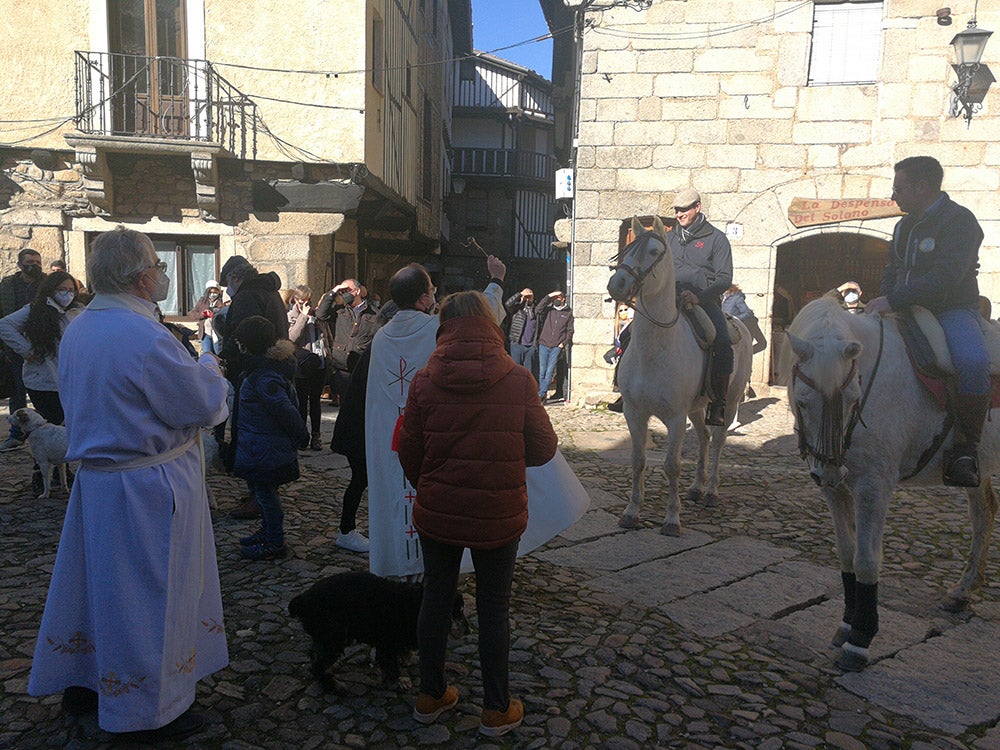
(840, 637)
(629, 522)
(671, 529)
(710, 500)
(852, 658)
(952, 603)
(693, 496)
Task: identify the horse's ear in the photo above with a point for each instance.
(658, 226)
(852, 350)
(803, 349)
(636, 227)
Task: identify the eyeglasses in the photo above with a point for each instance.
(160, 265)
(432, 291)
(685, 209)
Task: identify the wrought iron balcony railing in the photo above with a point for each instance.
(162, 97)
(502, 162)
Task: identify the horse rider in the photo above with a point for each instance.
(933, 262)
(703, 264)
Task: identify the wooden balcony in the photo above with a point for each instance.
(503, 162)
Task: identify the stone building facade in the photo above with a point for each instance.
(308, 136)
(756, 104)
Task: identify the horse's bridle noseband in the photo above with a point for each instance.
(835, 439)
(638, 277)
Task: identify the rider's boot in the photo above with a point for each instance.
(715, 415)
(961, 464)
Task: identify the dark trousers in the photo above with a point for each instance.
(722, 348)
(18, 395)
(47, 404)
(309, 390)
(494, 576)
(352, 495)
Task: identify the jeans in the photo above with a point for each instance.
(207, 345)
(548, 358)
(494, 575)
(968, 350)
(524, 355)
(273, 517)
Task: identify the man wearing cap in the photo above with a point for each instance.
(703, 264)
(252, 293)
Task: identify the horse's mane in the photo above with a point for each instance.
(827, 326)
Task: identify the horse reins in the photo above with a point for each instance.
(638, 277)
(832, 446)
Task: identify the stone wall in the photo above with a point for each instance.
(686, 94)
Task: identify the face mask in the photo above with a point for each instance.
(63, 298)
(32, 270)
(213, 296)
(161, 287)
(348, 299)
(231, 291)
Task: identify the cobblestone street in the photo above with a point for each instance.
(621, 639)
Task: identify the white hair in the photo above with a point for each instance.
(117, 258)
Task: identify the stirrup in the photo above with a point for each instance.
(960, 469)
(715, 414)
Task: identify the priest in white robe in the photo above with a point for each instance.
(133, 617)
(556, 499)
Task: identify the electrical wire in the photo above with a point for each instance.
(686, 35)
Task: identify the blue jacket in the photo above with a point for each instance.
(270, 430)
(933, 259)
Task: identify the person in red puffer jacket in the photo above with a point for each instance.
(473, 423)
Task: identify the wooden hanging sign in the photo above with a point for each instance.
(807, 212)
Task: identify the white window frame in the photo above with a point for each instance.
(846, 42)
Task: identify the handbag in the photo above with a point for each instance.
(307, 363)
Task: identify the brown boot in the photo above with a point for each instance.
(715, 415)
(961, 464)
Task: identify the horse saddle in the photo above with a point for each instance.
(704, 329)
(928, 351)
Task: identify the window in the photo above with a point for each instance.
(191, 262)
(378, 52)
(846, 42)
(150, 77)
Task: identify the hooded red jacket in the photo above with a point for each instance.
(473, 423)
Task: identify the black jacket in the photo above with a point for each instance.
(933, 259)
(257, 295)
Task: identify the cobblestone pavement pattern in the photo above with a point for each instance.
(620, 639)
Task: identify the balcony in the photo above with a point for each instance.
(157, 105)
(164, 98)
(502, 162)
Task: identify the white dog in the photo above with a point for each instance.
(46, 443)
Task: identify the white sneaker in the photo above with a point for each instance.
(353, 541)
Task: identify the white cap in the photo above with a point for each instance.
(212, 284)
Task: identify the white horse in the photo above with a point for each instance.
(661, 375)
(866, 424)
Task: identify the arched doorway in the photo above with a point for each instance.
(809, 266)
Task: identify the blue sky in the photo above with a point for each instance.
(498, 23)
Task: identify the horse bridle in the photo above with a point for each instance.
(834, 438)
(638, 277)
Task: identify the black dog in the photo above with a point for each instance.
(359, 607)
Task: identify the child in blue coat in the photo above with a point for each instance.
(270, 431)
